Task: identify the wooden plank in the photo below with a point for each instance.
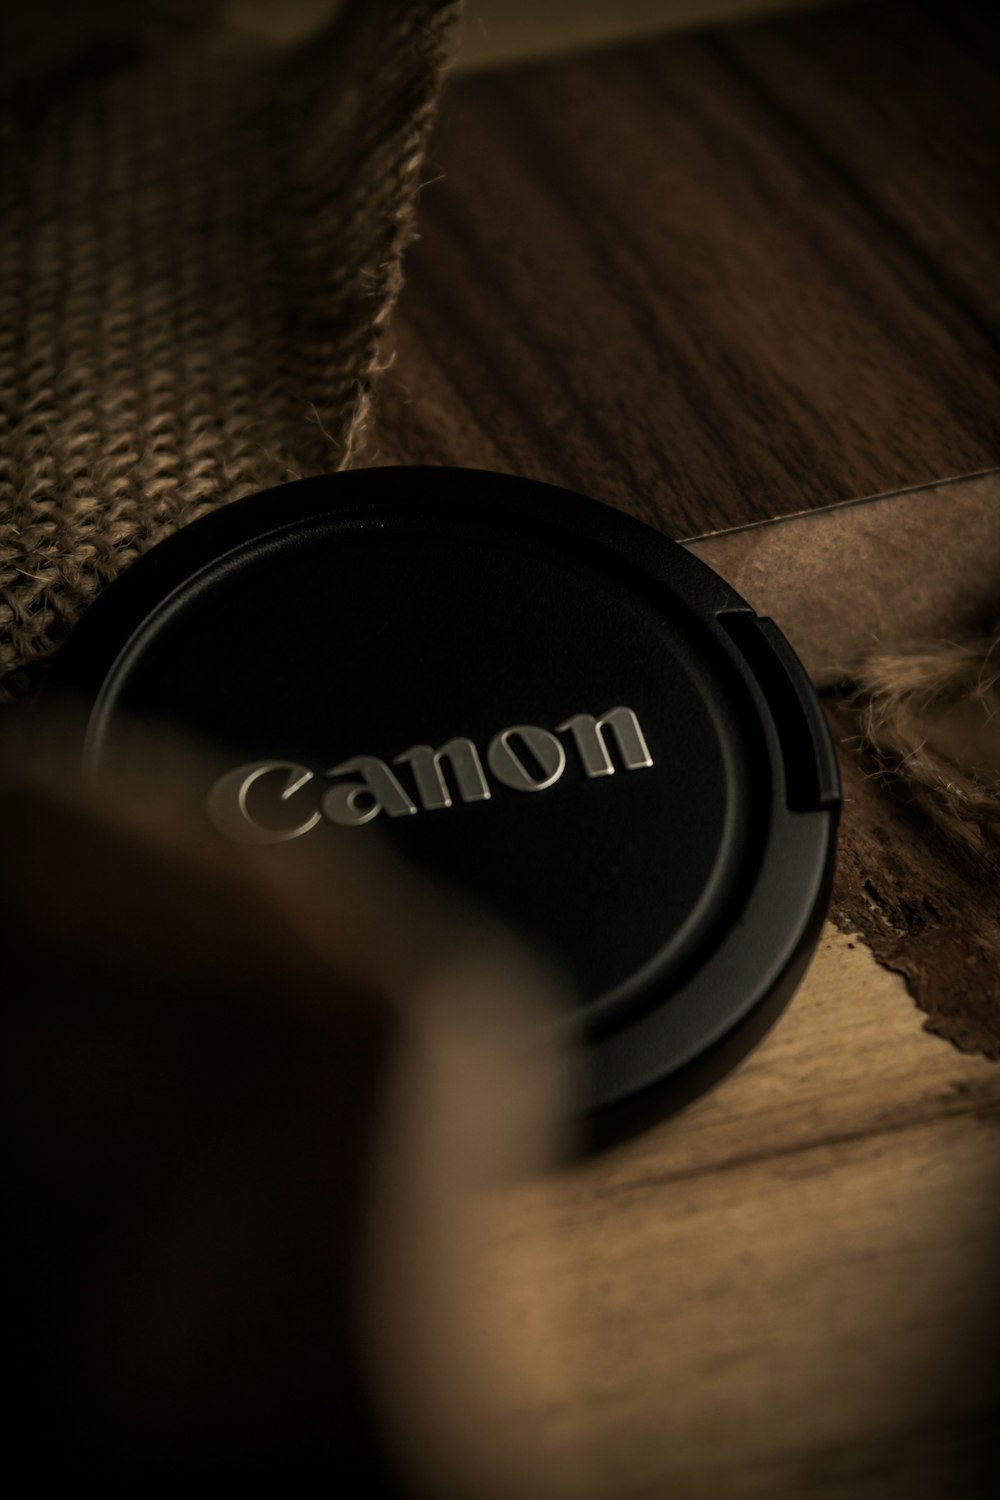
(787, 1289)
(644, 276)
(494, 32)
(929, 173)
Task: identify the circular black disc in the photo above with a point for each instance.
(534, 699)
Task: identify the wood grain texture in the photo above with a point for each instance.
(786, 1291)
(714, 278)
(928, 174)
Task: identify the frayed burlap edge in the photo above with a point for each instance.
(930, 717)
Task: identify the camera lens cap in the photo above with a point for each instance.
(536, 700)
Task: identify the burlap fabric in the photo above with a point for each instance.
(200, 241)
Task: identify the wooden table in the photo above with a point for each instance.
(714, 280)
(788, 1290)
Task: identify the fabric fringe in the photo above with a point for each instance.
(931, 717)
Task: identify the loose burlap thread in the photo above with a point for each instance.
(930, 718)
(200, 243)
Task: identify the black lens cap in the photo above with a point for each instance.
(538, 701)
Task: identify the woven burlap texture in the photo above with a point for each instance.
(200, 245)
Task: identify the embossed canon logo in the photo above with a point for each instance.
(522, 757)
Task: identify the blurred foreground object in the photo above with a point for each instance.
(254, 1103)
